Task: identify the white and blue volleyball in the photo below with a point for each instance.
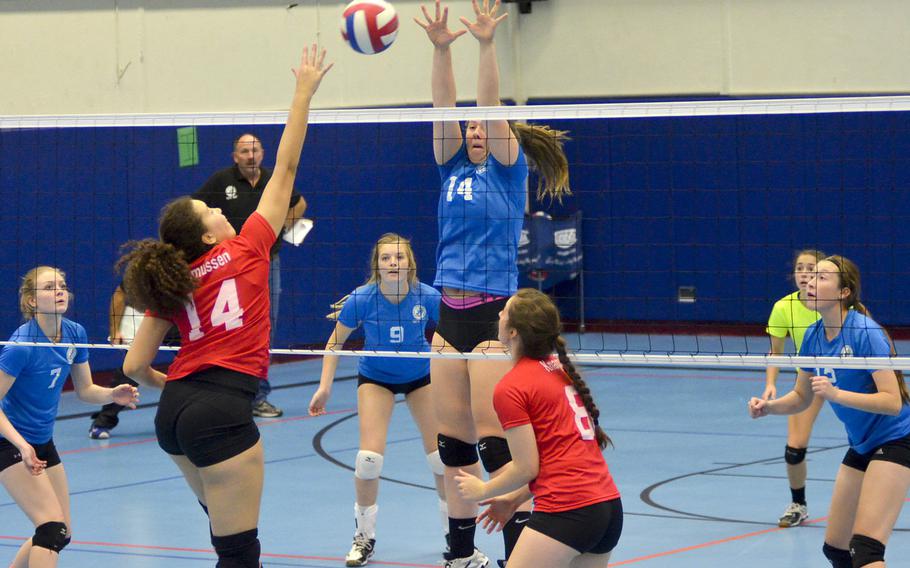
(369, 26)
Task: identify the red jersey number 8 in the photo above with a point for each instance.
(582, 420)
(226, 312)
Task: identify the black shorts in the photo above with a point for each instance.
(466, 329)
(895, 451)
(396, 388)
(9, 454)
(594, 529)
(207, 416)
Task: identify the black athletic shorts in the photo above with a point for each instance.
(9, 454)
(466, 329)
(895, 451)
(396, 388)
(208, 416)
(594, 529)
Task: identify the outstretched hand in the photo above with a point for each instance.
(497, 514)
(311, 69)
(484, 27)
(437, 27)
(125, 395)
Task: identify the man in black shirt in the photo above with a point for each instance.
(236, 191)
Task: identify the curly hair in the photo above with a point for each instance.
(156, 272)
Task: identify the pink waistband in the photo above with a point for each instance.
(468, 302)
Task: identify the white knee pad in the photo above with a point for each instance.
(368, 465)
(435, 463)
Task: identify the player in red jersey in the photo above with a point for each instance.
(551, 423)
(213, 284)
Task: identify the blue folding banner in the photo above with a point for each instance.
(549, 251)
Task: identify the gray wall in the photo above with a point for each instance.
(80, 56)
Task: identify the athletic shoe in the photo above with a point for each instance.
(265, 409)
(361, 551)
(476, 560)
(99, 433)
(793, 516)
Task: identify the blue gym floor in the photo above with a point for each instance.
(702, 483)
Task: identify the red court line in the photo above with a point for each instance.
(147, 440)
(210, 551)
(709, 544)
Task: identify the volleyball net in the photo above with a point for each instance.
(677, 240)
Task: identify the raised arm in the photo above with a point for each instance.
(447, 137)
(500, 139)
(273, 205)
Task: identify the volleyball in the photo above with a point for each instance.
(369, 26)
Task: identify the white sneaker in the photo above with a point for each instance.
(361, 551)
(476, 560)
(793, 516)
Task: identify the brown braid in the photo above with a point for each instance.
(848, 273)
(534, 316)
(156, 271)
(543, 146)
(583, 391)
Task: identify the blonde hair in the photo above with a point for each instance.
(392, 239)
(29, 288)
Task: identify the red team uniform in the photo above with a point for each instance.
(227, 322)
(205, 410)
(575, 499)
(573, 472)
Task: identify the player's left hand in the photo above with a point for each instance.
(484, 28)
(822, 387)
(498, 512)
(470, 486)
(125, 395)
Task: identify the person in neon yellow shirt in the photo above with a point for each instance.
(790, 316)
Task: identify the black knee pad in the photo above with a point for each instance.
(794, 456)
(239, 550)
(51, 536)
(838, 557)
(866, 550)
(456, 453)
(494, 453)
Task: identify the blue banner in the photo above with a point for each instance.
(549, 251)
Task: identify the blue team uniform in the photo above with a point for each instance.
(31, 403)
(392, 327)
(860, 337)
(481, 211)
